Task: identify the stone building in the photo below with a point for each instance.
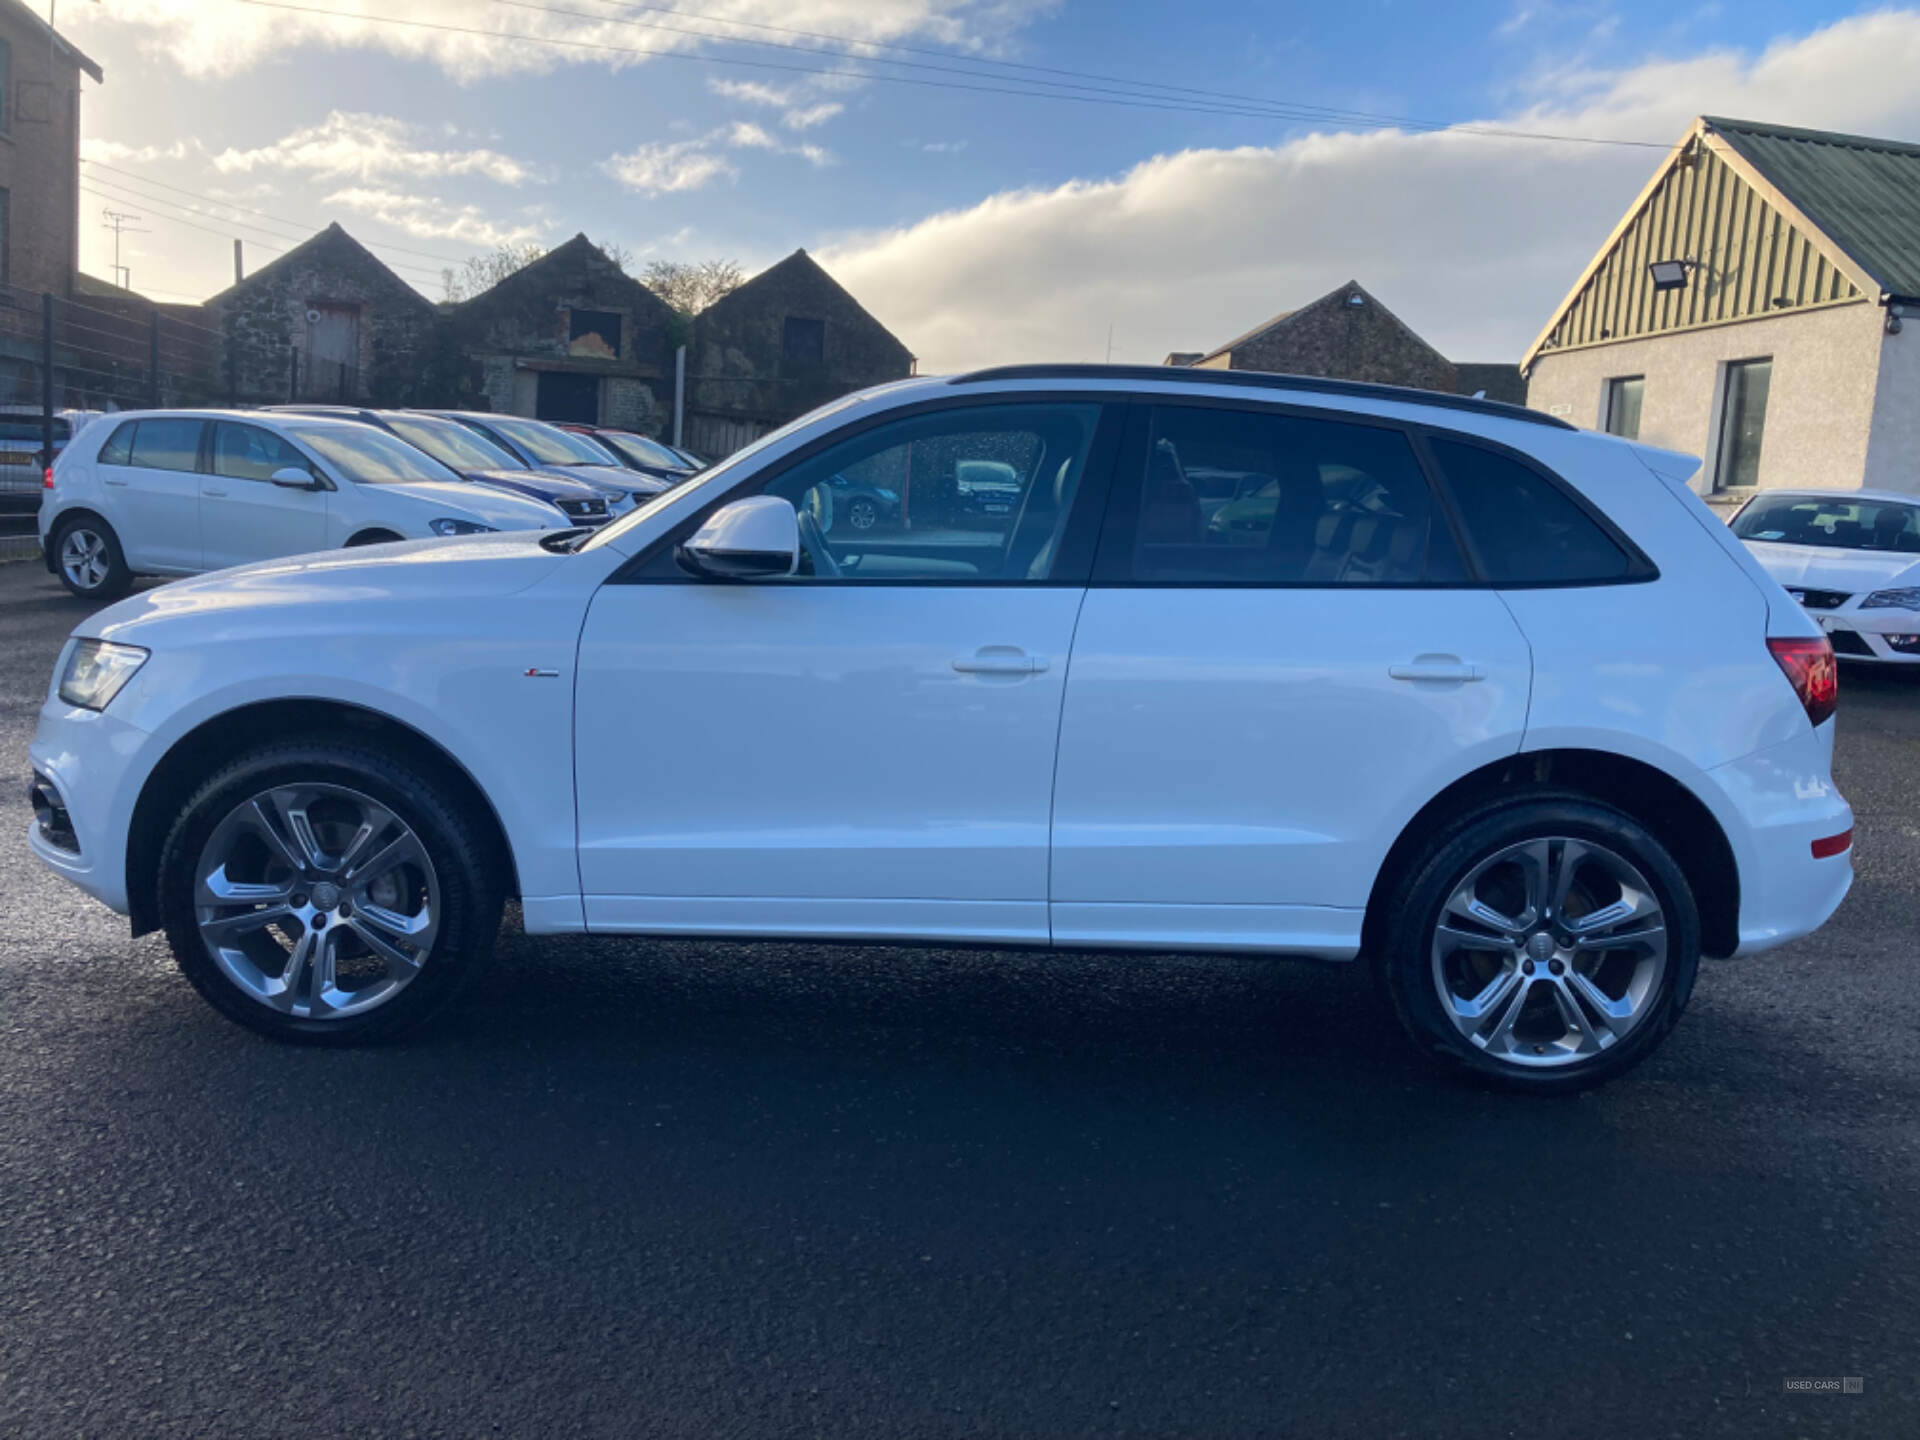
(570, 337)
(1344, 335)
(1758, 305)
(325, 321)
(39, 152)
(789, 339)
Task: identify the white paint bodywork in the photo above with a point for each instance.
(1168, 768)
(1853, 573)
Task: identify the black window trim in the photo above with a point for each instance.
(1113, 560)
(1085, 520)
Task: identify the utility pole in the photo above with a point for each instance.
(117, 221)
(239, 271)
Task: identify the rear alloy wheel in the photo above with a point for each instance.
(321, 893)
(1549, 945)
(91, 565)
(863, 514)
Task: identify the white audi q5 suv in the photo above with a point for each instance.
(1231, 662)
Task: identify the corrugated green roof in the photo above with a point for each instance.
(1863, 194)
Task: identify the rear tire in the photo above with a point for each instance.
(1482, 971)
(379, 870)
(88, 558)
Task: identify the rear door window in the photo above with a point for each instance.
(167, 444)
(1522, 527)
(1266, 498)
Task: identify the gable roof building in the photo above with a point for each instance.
(789, 339)
(1749, 308)
(1346, 334)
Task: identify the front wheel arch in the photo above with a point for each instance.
(372, 537)
(204, 749)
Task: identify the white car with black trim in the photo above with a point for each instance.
(178, 492)
(1851, 557)
(1424, 704)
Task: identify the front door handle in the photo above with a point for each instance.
(1437, 667)
(209, 490)
(1000, 662)
(116, 482)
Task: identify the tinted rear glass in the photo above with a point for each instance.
(30, 431)
(119, 446)
(167, 444)
(1525, 529)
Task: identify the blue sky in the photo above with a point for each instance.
(978, 225)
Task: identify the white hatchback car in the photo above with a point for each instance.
(177, 492)
(1852, 557)
(1494, 703)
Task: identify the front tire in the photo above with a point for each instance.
(90, 561)
(1545, 943)
(328, 894)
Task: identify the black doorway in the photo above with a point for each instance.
(574, 398)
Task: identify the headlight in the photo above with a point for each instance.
(445, 526)
(1893, 600)
(97, 670)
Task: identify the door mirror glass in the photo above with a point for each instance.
(294, 479)
(754, 539)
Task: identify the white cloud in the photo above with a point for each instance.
(367, 147)
(115, 152)
(807, 117)
(1471, 240)
(207, 38)
(430, 218)
(665, 167)
(790, 99)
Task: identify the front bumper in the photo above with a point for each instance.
(1886, 634)
(90, 758)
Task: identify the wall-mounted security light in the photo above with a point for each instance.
(1670, 274)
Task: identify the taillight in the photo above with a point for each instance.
(1812, 671)
(46, 479)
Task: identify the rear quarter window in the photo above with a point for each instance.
(1523, 528)
(119, 447)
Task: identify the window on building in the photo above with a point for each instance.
(1623, 405)
(1523, 528)
(804, 341)
(1743, 416)
(6, 237)
(1255, 498)
(594, 334)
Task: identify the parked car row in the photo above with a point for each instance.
(178, 492)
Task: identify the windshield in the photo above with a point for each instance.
(642, 451)
(1836, 524)
(368, 456)
(549, 445)
(452, 443)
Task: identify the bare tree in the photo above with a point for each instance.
(691, 286)
(483, 272)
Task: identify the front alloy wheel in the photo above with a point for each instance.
(316, 900)
(330, 891)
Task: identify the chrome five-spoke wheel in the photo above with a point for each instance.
(316, 901)
(1549, 951)
(84, 559)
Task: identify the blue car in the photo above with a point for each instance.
(474, 459)
(536, 443)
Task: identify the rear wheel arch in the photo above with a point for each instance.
(214, 742)
(1676, 816)
(67, 517)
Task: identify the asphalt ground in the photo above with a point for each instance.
(691, 1189)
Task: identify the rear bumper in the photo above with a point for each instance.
(1784, 800)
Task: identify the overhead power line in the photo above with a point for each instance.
(1265, 110)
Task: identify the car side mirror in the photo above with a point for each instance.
(293, 478)
(752, 539)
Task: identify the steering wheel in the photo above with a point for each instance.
(825, 567)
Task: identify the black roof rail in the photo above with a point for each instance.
(1266, 380)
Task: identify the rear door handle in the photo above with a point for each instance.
(1000, 663)
(116, 482)
(1437, 667)
(209, 490)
